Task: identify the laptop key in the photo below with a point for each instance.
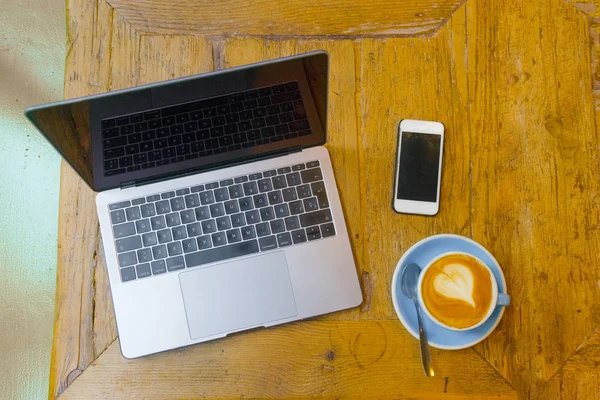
(217, 210)
(311, 204)
(284, 239)
(250, 188)
(261, 200)
(173, 219)
(298, 236)
(174, 248)
(282, 210)
(177, 204)
(222, 253)
(223, 223)
(163, 207)
(133, 213)
(318, 189)
(179, 233)
(296, 207)
(303, 191)
(193, 229)
(328, 230)
(149, 239)
(234, 236)
(126, 259)
(219, 239)
(236, 191)
(292, 223)
(238, 220)
(187, 216)
(313, 233)
(158, 267)
(189, 245)
(207, 197)
(231, 207)
(315, 218)
(267, 243)
(164, 236)
(128, 274)
(209, 226)
(277, 226)
(275, 197)
(202, 213)
(221, 194)
(192, 200)
(123, 230)
(246, 204)
(144, 255)
(148, 210)
(159, 251)
(265, 185)
(263, 229)
(129, 243)
(279, 182)
(293, 179)
(311, 175)
(248, 232)
(289, 194)
(175, 263)
(267, 213)
(143, 225)
(204, 242)
(158, 222)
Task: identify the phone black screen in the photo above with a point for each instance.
(419, 166)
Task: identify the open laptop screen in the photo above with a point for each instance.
(186, 125)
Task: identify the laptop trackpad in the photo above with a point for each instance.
(237, 295)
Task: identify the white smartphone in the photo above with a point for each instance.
(418, 167)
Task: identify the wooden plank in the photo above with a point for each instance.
(535, 179)
(282, 18)
(350, 359)
(80, 328)
(579, 378)
(104, 54)
(417, 79)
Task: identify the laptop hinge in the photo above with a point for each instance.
(130, 184)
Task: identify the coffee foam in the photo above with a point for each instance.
(456, 282)
(457, 290)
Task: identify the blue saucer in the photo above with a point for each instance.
(422, 253)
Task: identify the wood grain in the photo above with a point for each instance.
(283, 18)
(82, 330)
(516, 85)
(579, 378)
(118, 57)
(535, 180)
(366, 360)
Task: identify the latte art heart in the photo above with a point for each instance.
(456, 282)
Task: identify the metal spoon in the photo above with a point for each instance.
(410, 277)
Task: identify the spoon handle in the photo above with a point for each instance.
(425, 356)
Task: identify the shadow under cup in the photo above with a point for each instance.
(497, 299)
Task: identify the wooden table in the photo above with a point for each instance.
(516, 85)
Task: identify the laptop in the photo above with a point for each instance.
(217, 202)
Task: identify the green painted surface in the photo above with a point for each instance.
(32, 53)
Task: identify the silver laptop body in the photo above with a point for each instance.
(217, 204)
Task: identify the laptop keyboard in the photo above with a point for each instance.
(202, 128)
(235, 217)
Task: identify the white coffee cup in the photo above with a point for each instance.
(498, 299)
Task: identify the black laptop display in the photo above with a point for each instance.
(158, 131)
